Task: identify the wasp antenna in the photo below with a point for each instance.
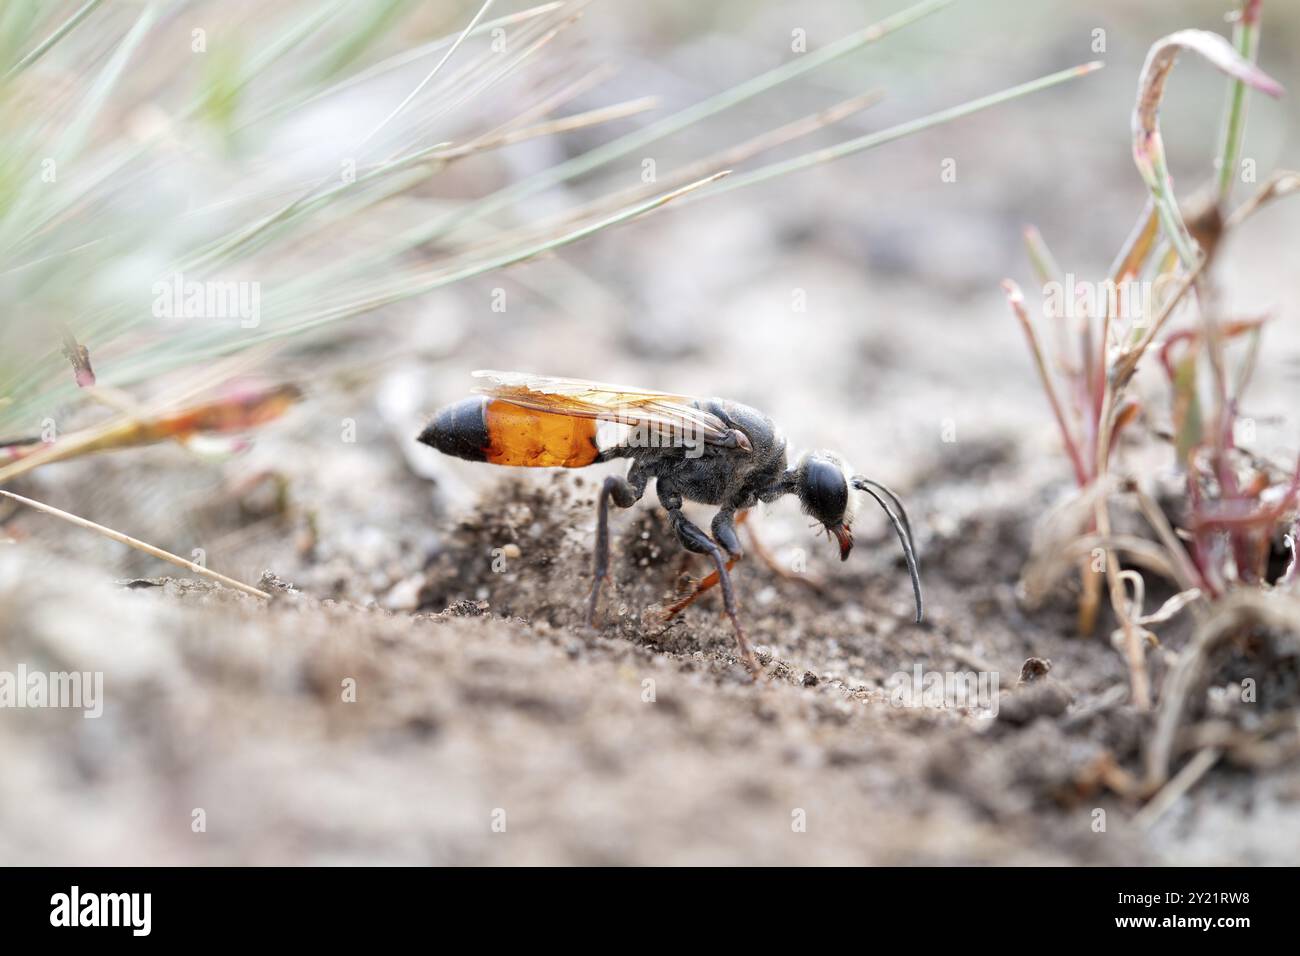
(904, 530)
(860, 480)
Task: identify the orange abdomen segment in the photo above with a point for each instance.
(522, 436)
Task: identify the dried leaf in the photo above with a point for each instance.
(1171, 607)
(1148, 148)
(1160, 61)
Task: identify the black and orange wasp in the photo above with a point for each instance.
(711, 451)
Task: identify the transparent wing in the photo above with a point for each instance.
(616, 403)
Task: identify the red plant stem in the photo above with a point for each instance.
(1256, 518)
(1230, 491)
(1186, 335)
(14, 452)
(1089, 362)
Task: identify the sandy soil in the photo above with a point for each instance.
(487, 725)
(315, 730)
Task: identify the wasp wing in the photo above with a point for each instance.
(636, 407)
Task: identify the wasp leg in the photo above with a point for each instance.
(720, 534)
(724, 533)
(769, 559)
(694, 539)
(700, 587)
(625, 492)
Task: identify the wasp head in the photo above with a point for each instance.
(822, 483)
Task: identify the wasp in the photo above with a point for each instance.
(711, 451)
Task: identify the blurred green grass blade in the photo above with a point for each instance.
(1046, 267)
(52, 40)
(17, 25)
(872, 140)
(595, 158)
(396, 292)
(1246, 40)
(74, 136)
(428, 77)
(221, 89)
(144, 365)
(300, 31)
(405, 58)
(259, 62)
(379, 16)
(68, 231)
(494, 67)
(435, 158)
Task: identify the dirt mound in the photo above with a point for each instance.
(492, 727)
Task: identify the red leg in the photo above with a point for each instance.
(700, 587)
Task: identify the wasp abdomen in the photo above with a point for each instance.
(485, 429)
(460, 430)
